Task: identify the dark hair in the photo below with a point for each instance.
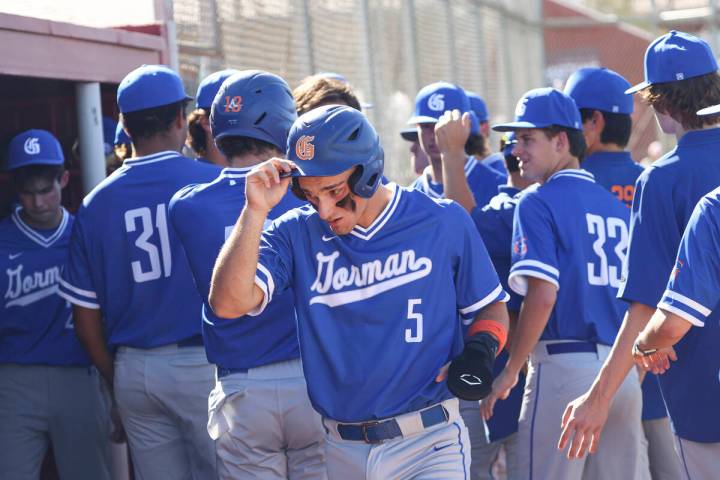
(315, 91)
(151, 121)
(23, 175)
(618, 126)
(512, 164)
(196, 132)
(236, 146)
(576, 139)
(475, 145)
(682, 99)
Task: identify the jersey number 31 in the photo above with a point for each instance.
(158, 268)
(604, 228)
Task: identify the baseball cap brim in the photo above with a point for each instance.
(637, 88)
(409, 133)
(509, 127)
(712, 110)
(421, 119)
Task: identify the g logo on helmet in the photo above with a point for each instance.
(304, 149)
(436, 102)
(521, 107)
(32, 146)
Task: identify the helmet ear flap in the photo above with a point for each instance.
(354, 180)
(295, 187)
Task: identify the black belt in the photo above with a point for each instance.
(224, 372)
(377, 432)
(195, 341)
(571, 347)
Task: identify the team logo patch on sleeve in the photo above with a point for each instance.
(304, 149)
(520, 246)
(676, 270)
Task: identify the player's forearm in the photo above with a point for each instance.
(496, 311)
(232, 290)
(90, 332)
(620, 361)
(454, 181)
(664, 330)
(534, 315)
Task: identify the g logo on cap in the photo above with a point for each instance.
(520, 107)
(304, 149)
(32, 146)
(436, 102)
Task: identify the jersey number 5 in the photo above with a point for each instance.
(144, 214)
(417, 336)
(604, 228)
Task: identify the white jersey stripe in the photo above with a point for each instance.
(681, 313)
(703, 310)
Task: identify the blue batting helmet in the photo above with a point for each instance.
(254, 104)
(329, 140)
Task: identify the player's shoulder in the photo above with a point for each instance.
(477, 169)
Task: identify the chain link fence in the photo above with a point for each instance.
(387, 49)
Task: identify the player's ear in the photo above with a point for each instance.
(562, 142)
(64, 179)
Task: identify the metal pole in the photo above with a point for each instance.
(370, 61)
(308, 36)
(451, 41)
(413, 46)
(90, 133)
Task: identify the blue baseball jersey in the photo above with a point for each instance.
(572, 233)
(203, 216)
(494, 221)
(36, 325)
(482, 180)
(379, 309)
(496, 161)
(126, 260)
(615, 171)
(691, 387)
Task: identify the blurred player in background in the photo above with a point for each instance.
(200, 137)
(430, 104)
(49, 393)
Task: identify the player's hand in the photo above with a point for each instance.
(451, 132)
(501, 388)
(658, 362)
(117, 431)
(582, 423)
(264, 188)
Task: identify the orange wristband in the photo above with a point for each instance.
(494, 328)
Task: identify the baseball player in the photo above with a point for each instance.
(380, 277)
(680, 76)
(570, 230)
(260, 416)
(418, 159)
(683, 306)
(49, 394)
(430, 103)
(137, 311)
(200, 138)
(605, 110)
(495, 160)
(494, 222)
(318, 90)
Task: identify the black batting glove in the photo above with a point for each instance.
(470, 375)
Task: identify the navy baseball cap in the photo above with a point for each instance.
(150, 86)
(543, 107)
(676, 56)
(477, 104)
(121, 137)
(34, 147)
(600, 89)
(209, 87)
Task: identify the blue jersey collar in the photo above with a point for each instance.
(235, 172)
(382, 219)
(435, 190)
(35, 235)
(607, 157)
(573, 173)
(148, 159)
(698, 137)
